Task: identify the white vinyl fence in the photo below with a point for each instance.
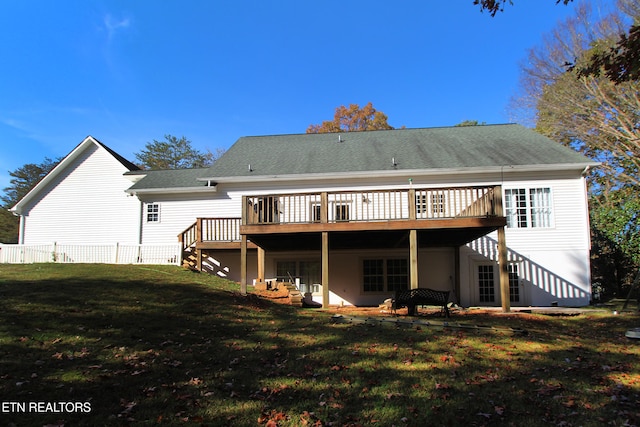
(100, 254)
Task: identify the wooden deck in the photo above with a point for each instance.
(267, 218)
(411, 218)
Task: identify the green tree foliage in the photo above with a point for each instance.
(173, 153)
(470, 123)
(598, 117)
(22, 181)
(9, 224)
(353, 118)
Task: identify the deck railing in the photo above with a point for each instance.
(381, 205)
(347, 206)
(211, 230)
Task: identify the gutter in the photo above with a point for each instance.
(400, 173)
(177, 190)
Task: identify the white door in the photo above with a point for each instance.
(486, 284)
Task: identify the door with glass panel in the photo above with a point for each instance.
(487, 284)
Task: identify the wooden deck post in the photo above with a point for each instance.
(413, 259)
(503, 262)
(325, 269)
(324, 207)
(261, 254)
(198, 239)
(243, 264)
(456, 269)
(243, 215)
(412, 203)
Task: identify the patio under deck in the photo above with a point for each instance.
(410, 218)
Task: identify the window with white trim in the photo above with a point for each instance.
(421, 203)
(437, 204)
(385, 275)
(528, 208)
(153, 212)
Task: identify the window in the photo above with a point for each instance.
(153, 212)
(373, 275)
(342, 212)
(266, 210)
(434, 205)
(486, 288)
(307, 271)
(421, 203)
(528, 208)
(380, 275)
(540, 205)
(316, 212)
(397, 274)
(514, 283)
(437, 204)
(286, 270)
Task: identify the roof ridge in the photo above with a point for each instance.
(380, 130)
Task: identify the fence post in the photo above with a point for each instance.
(115, 255)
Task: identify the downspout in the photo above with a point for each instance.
(140, 215)
(586, 204)
(21, 230)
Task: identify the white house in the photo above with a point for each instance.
(497, 215)
(82, 200)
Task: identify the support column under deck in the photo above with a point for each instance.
(413, 259)
(325, 269)
(261, 255)
(243, 264)
(456, 277)
(502, 253)
(503, 265)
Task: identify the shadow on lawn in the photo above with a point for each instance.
(162, 352)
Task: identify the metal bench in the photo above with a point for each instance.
(411, 298)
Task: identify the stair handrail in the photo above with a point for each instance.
(189, 236)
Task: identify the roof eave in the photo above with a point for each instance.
(172, 190)
(404, 172)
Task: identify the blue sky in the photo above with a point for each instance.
(128, 72)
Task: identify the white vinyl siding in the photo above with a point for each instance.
(567, 216)
(85, 204)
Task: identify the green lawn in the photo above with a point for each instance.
(128, 345)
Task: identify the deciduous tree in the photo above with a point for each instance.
(596, 116)
(495, 6)
(173, 153)
(618, 58)
(470, 123)
(353, 118)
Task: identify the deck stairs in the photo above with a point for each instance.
(295, 297)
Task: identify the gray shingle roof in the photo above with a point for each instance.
(174, 178)
(373, 151)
